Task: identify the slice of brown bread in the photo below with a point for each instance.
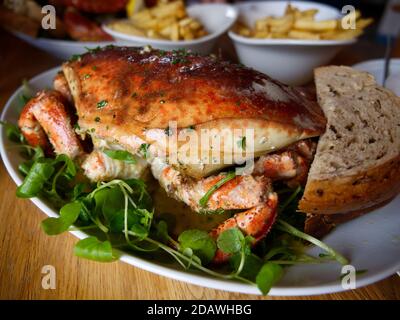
(357, 163)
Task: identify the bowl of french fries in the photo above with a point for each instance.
(172, 25)
(288, 39)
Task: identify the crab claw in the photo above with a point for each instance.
(44, 118)
(255, 222)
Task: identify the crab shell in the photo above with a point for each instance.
(127, 96)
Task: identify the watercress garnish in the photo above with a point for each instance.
(229, 176)
(121, 155)
(93, 249)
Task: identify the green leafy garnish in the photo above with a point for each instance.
(200, 242)
(120, 213)
(93, 249)
(269, 274)
(121, 155)
(12, 132)
(284, 226)
(68, 215)
(229, 176)
(230, 241)
(39, 173)
(251, 267)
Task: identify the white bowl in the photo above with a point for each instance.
(376, 68)
(288, 60)
(216, 18)
(64, 49)
(371, 242)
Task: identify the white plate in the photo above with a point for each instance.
(371, 242)
(216, 18)
(376, 68)
(64, 49)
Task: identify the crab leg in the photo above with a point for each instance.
(242, 192)
(256, 222)
(98, 166)
(291, 165)
(45, 116)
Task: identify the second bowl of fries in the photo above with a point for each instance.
(288, 39)
(171, 25)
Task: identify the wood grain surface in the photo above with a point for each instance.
(25, 249)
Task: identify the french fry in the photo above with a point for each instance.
(304, 35)
(284, 26)
(278, 22)
(302, 24)
(262, 24)
(312, 25)
(262, 34)
(363, 23)
(345, 35)
(167, 20)
(307, 14)
(128, 28)
(174, 32)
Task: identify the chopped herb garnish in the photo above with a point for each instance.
(121, 155)
(86, 76)
(94, 68)
(238, 103)
(76, 126)
(144, 147)
(134, 95)
(242, 143)
(229, 176)
(102, 104)
(211, 212)
(24, 99)
(75, 57)
(97, 119)
(93, 50)
(168, 131)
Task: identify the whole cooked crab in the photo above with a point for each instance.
(126, 98)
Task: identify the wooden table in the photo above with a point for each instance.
(25, 249)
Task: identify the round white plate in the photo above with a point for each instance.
(376, 68)
(371, 242)
(64, 49)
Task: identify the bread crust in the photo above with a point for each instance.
(352, 193)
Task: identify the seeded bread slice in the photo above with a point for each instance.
(357, 163)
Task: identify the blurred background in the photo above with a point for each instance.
(75, 15)
(69, 27)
